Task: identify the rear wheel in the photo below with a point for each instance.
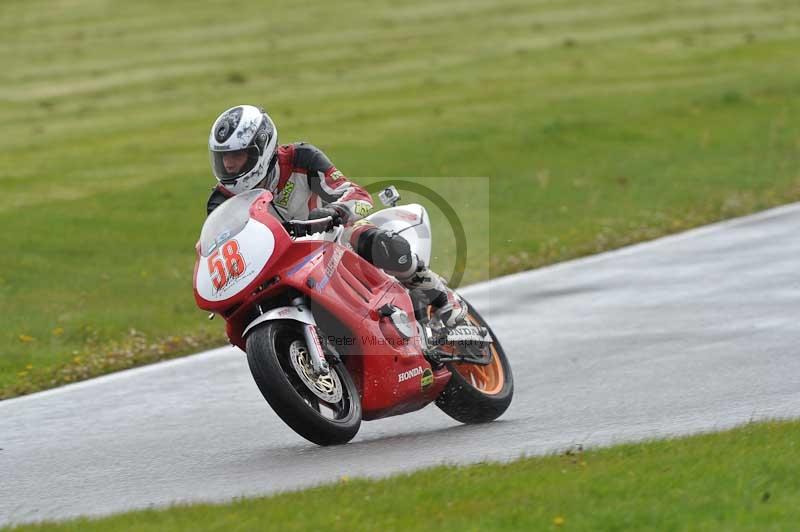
(476, 393)
(325, 409)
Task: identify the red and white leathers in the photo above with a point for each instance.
(304, 179)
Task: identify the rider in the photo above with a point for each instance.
(245, 154)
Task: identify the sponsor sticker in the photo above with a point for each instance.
(283, 198)
(427, 378)
(330, 268)
(362, 208)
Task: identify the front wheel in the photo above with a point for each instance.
(325, 409)
(475, 393)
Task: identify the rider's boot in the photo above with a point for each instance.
(448, 305)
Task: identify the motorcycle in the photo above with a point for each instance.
(332, 340)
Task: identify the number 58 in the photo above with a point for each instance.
(229, 266)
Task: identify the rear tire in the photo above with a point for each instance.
(478, 394)
(268, 354)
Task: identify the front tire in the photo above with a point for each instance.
(478, 394)
(317, 411)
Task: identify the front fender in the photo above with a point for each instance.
(299, 313)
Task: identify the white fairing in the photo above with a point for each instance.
(412, 222)
(255, 245)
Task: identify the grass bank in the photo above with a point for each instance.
(598, 124)
(743, 479)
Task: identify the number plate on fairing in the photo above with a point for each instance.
(235, 263)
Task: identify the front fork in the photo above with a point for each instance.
(315, 352)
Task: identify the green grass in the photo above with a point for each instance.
(598, 124)
(743, 479)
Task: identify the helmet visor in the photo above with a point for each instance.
(231, 165)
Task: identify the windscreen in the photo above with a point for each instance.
(227, 220)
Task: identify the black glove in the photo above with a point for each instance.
(336, 214)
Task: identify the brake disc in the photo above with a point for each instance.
(327, 387)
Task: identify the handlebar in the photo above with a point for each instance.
(297, 228)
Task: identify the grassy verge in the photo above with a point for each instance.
(599, 124)
(742, 479)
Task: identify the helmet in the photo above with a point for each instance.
(244, 130)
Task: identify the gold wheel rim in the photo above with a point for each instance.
(487, 379)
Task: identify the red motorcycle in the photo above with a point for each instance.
(330, 338)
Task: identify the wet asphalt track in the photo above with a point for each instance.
(694, 332)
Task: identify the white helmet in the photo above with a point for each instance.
(244, 128)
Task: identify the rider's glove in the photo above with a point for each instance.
(337, 214)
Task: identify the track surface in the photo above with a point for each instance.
(694, 332)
